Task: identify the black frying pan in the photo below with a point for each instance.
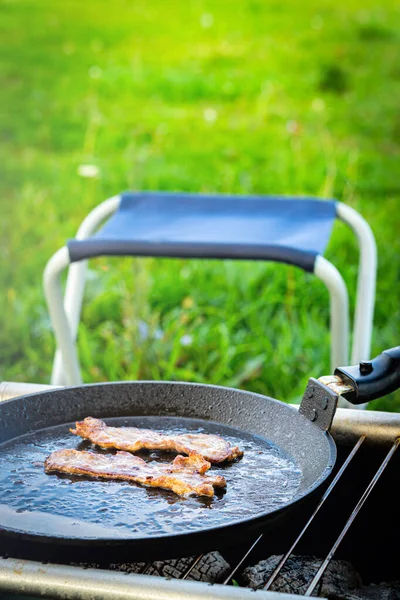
(288, 455)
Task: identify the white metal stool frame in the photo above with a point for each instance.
(65, 311)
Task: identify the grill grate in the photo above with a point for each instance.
(317, 509)
(192, 566)
(325, 562)
(353, 515)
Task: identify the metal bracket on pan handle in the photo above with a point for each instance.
(358, 384)
(320, 400)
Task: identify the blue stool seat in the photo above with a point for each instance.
(283, 229)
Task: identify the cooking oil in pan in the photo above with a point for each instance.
(70, 506)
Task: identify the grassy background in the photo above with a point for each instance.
(245, 96)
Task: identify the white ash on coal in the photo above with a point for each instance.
(211, 568)
(339, 578)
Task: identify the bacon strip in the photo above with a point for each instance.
(184, 476)
(212, 447)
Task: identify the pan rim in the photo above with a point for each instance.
(128, 382)
(121, 540)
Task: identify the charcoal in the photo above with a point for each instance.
(383, 591)
(211, 568)
(297, 574)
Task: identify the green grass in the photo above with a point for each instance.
(303, 99)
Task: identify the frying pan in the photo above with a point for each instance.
(288, 454)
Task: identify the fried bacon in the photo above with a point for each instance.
(184, 476)
(212, 447)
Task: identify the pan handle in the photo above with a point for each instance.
(372, 379)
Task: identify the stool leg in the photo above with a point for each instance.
(75, 285)
(73, 303)
(366, 282)
(339, 312)
(55, 302)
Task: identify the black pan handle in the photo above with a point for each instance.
(372, 379)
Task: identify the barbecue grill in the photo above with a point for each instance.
(355, 520)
